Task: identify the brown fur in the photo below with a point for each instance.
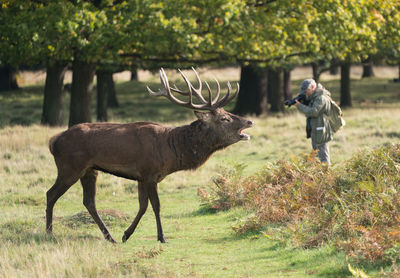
(142, 151)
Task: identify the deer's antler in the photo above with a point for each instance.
(210, 104)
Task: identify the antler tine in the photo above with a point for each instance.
(166, 92)
(161, 92)
(164, 80)
(226, 99)
(175, 89)
(236, 92)
(210, 102)
(210, 105)
(222, 102)
(215, 100)
(198, 91)
(165, 83)
(192, 90)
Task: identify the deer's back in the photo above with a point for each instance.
(130, 150)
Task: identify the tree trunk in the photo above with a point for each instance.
(52, 113)
(8, 78)
(367, 70)
(397, 79)
(334, 67)
(81, 92)
(134, 75)
(102, 91)
(287, 88)
(345, 95)
(399, 71)
(112, 100)
(253, 91)
(316, 72)
(275, 90)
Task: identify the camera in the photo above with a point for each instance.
(300, 98)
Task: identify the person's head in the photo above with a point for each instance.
(308, 87)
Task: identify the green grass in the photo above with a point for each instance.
(200, 243)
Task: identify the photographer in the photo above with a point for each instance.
(318, 127)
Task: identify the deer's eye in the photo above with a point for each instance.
(225, 119)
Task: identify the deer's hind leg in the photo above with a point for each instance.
(89, 200)
(62, 184)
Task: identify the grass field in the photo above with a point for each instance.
(201, 243)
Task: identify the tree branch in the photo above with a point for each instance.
(261, 3)
(214, 57)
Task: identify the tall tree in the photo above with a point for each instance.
(252, 97)
(347, 32)
(388, 13)
(287, 88)
(275, 89)
(8, 78)
(105, 85)
(149, 33)
(345, 93)
(52, 113)
(368, 70)
(81, 92)
(112, 100)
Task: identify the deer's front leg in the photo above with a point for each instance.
(143, 203)
(155, 203)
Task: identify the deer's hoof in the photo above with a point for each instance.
(124, 238)
(110, 239)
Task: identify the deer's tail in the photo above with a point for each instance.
(52, 143)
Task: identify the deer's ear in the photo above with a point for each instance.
(203, 116)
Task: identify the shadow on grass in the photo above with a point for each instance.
(204, 210)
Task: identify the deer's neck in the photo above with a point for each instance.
(193, 144)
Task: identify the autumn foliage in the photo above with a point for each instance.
(354, 205)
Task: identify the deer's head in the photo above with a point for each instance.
(226, 126)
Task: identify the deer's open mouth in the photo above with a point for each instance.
(243, 136)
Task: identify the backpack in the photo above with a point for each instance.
(335, 117)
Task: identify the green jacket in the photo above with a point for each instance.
(317, 110)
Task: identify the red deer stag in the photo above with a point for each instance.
(142, 151)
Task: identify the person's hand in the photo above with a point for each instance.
(297, 103)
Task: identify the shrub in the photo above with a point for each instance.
(355, 205)
(227, 191)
